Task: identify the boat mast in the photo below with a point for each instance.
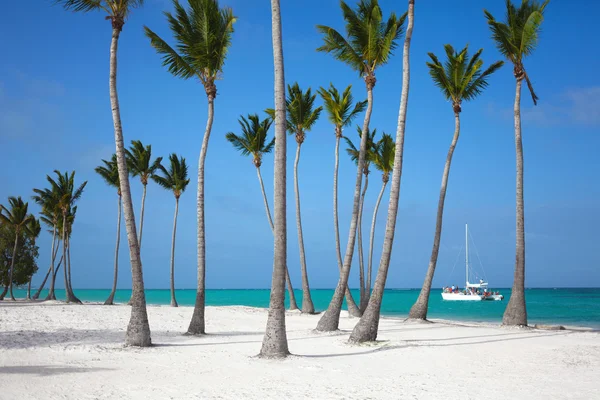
(467, 255)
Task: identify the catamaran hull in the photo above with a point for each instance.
(494, 297)
(461, 297)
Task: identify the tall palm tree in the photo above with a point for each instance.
(253, 141)
(354, 154)
(385, 150)
(275, 343)
(68, 194)
(516, 39)
(301, 116)
(368, 44)
(110, 173)
(33, 230)
(366, 329)
(139, 162)
(203, 34)
(138, 329)
(341, 111)
(176, 180)
(460, 78)
(16, 216)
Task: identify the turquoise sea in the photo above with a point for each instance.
(577, 307)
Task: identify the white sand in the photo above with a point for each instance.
(55, 351)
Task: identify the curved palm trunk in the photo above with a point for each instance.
(353, 309)
(4, 292)
(111, 297)
(274, 343)
(58, 267)
(366, 329)
(331, 317)
(68, 264)
(419, 309)
(372, 239)
(142, 214)
(51, 295)
(307, 304)
(173, 301)
(28, 297)
(293, 304)
(12, 264)
(516, 311)
(138, 329)
(197, 324)
(364, 299)
(36, 295)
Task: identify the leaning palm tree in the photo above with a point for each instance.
(33, 231)
(368, 44)
(138, 329)
(516, 39)
(341, 111)
(275, 343)
(175, 179)
(366, 329)
(301, 117)
(383, 160)
(203, 35)
(460, 78)
(110, 174)
(253, 141)
(15, 216)
(354, 154)
(139, 162)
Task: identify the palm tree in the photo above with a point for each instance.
(110, 173)
(138, 330)
(33, 230)
(460, 78)
(301, 117)
(341, 113)
(253, 141)
(275, 343)
(385, 150)
(203, 34)
(369, 44)
(354, 154)
(366, 329)
(516, 39)
(68, 195)
(17, 217)
(139, 162)
(176, 180)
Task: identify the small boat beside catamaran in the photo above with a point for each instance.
(472, 291)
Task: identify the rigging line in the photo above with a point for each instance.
(456, 261)
(477, 253)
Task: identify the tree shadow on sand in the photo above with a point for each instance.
(47, 370)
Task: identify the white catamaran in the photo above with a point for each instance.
(472, 291)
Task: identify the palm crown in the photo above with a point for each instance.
(371, 148)
(203, 35)
(47, 199)
(175, 178)
(253, 140)
(139, 161)
(110, 173)
(460, 77)
(117, 10)
(385, 150)
(65, 190)
(518, 36)
(34, 228)
(15, 216)
(339, 108)
(370, 40)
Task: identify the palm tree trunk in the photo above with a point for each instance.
(275, 340)
(74, 298)
(516, 311)
(4, 292)
(293, 304)
(138, 329)
(361, 262)
(57, 269)
(12, 264)
(419, 309)
(353, 309)
(197, 324)
(28, 297)
(51, 295)
(36, 295)
(68, 298)
(173, 301)
(111, 297)
(142, 215)
(366, 329)
(307, 304)
(331, 317)
(372, 239)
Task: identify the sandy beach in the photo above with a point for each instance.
(56, 351)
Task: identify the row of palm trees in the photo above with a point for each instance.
(203, 33)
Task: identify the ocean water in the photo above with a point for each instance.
(564, 306)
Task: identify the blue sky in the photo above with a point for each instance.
(55, 114)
